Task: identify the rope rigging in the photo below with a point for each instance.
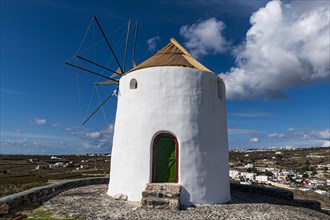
(117, 47)
(98, 69)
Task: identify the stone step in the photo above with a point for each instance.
(169, 187)
(160, 203)
(161, 194)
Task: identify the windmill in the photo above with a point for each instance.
(177, 134)
(116, 74)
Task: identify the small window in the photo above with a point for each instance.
(133, 84)
(219, 85)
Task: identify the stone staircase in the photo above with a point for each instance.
(161, 196)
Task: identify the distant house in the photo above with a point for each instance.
(52, 166)
(303, 189)
(322, 192)
(261, 178)
(56, 165)
(251, 176)
(234, 174)
(281, 176)
(322, 166)
(60, 164)
(54, 158)
(315, 156)
(42, 167)
(249, 165)
(84, 167)
(247, 176)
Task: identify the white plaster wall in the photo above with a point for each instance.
(183, 101)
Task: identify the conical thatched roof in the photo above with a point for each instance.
(173, 54)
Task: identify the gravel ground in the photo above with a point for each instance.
(92, 203)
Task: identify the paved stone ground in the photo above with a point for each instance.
(92, 203)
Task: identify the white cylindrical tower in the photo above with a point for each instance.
(180, 106)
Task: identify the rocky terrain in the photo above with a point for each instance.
(93, 203)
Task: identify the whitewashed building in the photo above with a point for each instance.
(249, 165)
(248, 176)
(261, 178)
(171, 127)
(234, 174)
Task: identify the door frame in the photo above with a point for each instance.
(158, 136)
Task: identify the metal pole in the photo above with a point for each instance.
(89, 61)
(127, 37)
(99, 107)
(135, 36)
(106, 40)
(90, 71)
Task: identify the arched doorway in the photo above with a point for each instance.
(165, 159)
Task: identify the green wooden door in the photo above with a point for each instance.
(165, 160)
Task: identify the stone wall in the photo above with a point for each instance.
(286, 195)
(263, 190)
(36, 196)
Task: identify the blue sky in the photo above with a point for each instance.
(273, 57)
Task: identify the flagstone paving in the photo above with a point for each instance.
(92, 203)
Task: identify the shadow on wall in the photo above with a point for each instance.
(185, 196)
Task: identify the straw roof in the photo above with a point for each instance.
(173, 54)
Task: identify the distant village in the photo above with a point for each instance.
(83, 164)
(261, 171)
(307, 174)
(250, 167)
(305, 169)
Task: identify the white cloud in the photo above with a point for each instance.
(272, 135)
(305, 136)
(326, 144)
(291, 129)
(87, 146)
(33, 135)
(62, 143)
(233, 131)
(316, 134)
(324, 134)
(98, 140)
(152, 43)
(281, 135)
(109, 129)
(20, 143)
(40, 121)
(205, 37)
(276, 135)
(254, 140)
(93, 134)
(287, 45)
